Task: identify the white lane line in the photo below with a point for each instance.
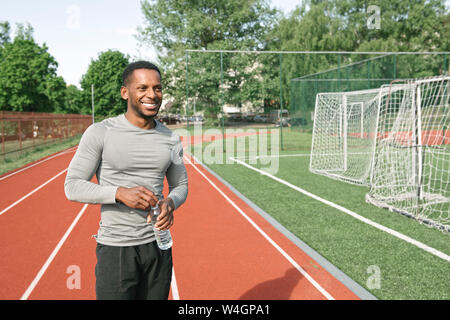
(52, 256)
(394, 233)
(29, 194)
(174, 286)
(35, 164)
(272, 242)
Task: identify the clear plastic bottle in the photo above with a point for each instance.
(163, 237)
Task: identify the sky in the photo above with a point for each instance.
(76, 31)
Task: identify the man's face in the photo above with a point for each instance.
(144, 93)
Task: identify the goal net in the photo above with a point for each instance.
(344, 135)
(411, 166)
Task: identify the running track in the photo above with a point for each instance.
(223, 249)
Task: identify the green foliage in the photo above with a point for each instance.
(5, 30)
(27, 70)
(341, 25)
(173, 26)
(75, 102)
(28, 80)
(105, 73)
(337, 25)
(55, 90)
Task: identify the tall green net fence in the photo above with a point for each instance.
(364, 73)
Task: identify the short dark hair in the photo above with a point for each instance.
(134, 66)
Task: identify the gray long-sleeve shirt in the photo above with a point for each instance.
(123, 155)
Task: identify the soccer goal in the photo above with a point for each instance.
(344, 134)
(411, 166)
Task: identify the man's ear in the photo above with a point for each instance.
(124, 93)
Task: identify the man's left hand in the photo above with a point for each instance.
(165, 218)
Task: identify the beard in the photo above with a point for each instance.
(139, 112)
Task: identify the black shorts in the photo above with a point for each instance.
(141, 272)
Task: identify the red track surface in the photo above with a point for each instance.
(218, 253)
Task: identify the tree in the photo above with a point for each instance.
(342, 25)
(175, 24)
(172, 26)
(105, 73)
(74, 101)
(55, 90)
(25, 69)
(409, 26)
(5, 30)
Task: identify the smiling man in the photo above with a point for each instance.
(130, 155)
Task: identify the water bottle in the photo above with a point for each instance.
(163, 237)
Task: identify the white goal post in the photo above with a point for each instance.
(411, 168)
(344, 134)
(394, 139)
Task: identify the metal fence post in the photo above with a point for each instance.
(19, 131)
(339, 72)
(93, 109)
(395, 66)
(281, 103)
(187, 99)
(222, 118)
(3, 134)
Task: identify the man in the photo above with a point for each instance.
(131, 154)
